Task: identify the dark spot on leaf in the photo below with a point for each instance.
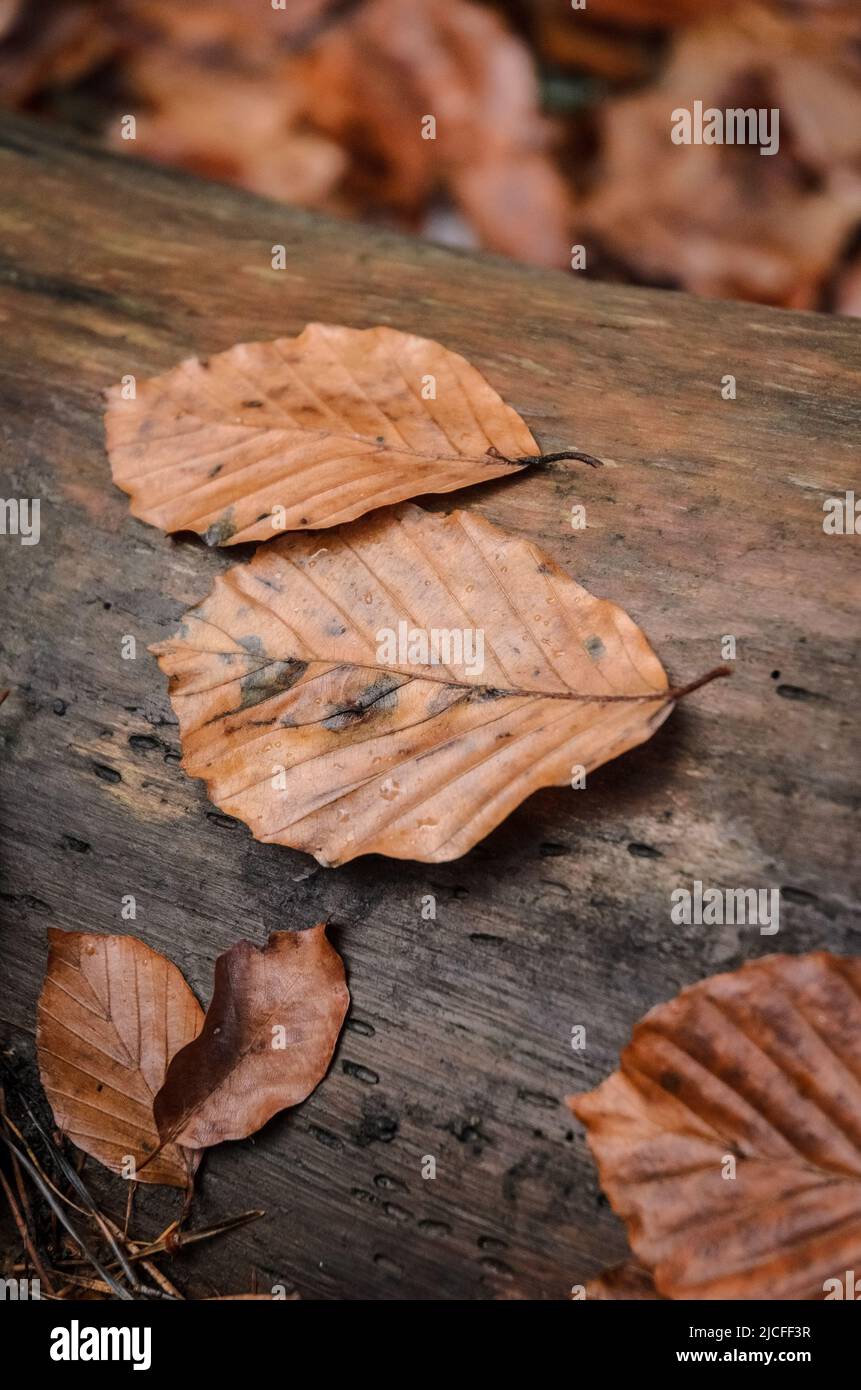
(380, 697)
(213, 472)
(595, 647)
(251, 405)
(220, 530)
(272, 679)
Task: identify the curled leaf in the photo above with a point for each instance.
(312, 701)
(307, 432)
(266, 1041)
(112, 1013)
(729, 1140)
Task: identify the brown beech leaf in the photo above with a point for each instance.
(308, 705)
(266, 1042)
(720, 219)
(251, 135)
(371, 82)
(112, 1013)
(307, 432)
(762, 1066)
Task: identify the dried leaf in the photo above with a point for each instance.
(373, 80)
(762, 1066)
(722, 219)
(307, 724)
(112, 1013)
(252, 134)
(45, 45)
(324, 427)
(266, 1042)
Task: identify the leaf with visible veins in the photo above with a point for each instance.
(761, 1067)
(317, 734)
(112, 1014)
(307, 432)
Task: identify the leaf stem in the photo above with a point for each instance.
(678, 692)
(530, 460)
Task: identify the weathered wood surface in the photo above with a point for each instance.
(705, 521)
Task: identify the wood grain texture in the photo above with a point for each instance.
(706, 520)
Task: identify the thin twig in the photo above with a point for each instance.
(24, 1233)
(129, 1203)
(28, 1231)
(173, 1239)
(63, 1218)
(71, 1175)
(63, 1196)
(132, 1248)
